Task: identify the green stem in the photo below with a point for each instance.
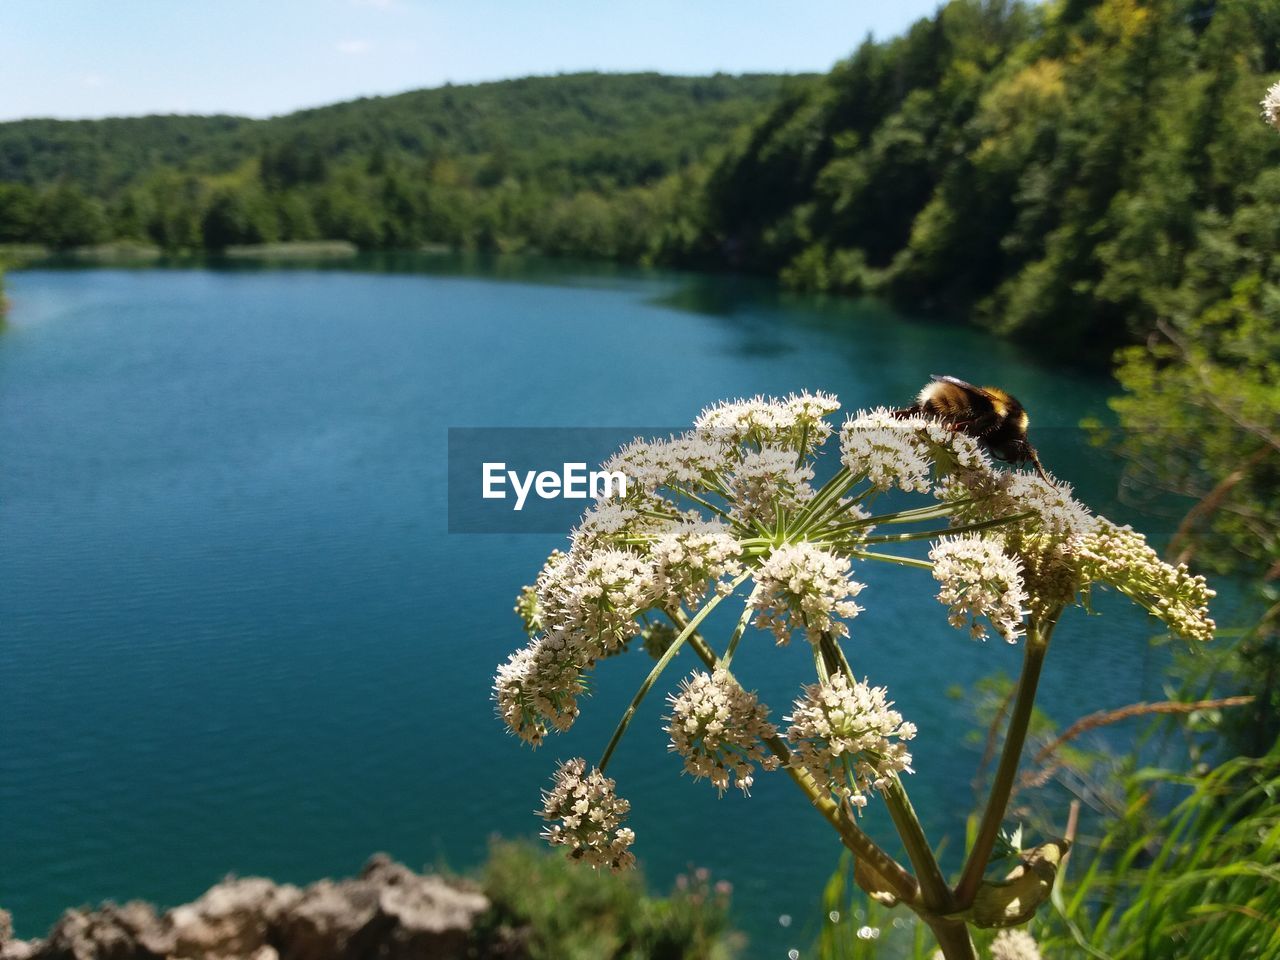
(739, 630)
(1037, 644)
(804, 446)
(915, 514)
(829, 493)
(952, 936)
(946, 531)
(888, 558)
(821, 666)
(933, 885)
(656, 672)
(836, 660)
(710, 506)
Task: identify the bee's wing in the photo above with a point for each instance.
(962, 384)
(981, 400)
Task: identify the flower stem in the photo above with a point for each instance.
(667, 656)
(710, 506)
(828, 494)
(890, 558)
(1037, 644)
(952, 936)
(933, 885)
(946, 531)
(738, 631)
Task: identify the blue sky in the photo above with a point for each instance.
(93, 58)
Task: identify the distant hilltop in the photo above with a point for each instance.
(531, 123)
(607, 166)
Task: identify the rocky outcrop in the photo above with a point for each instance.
(387, 913)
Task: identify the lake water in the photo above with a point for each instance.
(235, 635)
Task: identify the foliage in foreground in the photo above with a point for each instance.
(1202, 881)
(545, 909)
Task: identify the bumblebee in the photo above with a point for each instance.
(992, 417)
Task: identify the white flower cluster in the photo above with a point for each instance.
(687, 558)
(1014, 945)
(719, 728)
(901, 452)
(987, 494)
(1271, 106)
(1063, 548)
(594, 598)
(801, 585)
(1044, 542)
(1121, 557)
(689, 460)
(589, 814)
(537, 688)
(766, 481)
(798, 422)
(608, 524)
(848, 738)
(979, 580)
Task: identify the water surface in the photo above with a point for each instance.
(236, 636)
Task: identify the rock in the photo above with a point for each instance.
(131, 932)
(233, 919)
(18, 950)
(11, 949)
(387, 913)
(325, 920)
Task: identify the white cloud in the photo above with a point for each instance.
(354, 48)
(93, 80)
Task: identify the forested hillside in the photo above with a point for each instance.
(1069, 172)
(580, 163)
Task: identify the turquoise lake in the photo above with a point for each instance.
(236, 636)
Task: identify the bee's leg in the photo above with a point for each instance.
(1035, 462)
(967, 427)
(912, 411)
(984, 425)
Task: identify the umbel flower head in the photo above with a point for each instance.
(537, 688)
(903, 452)
(594, 597)
(585, 815)
(688, 558)
(1121, 558)
(719, 729)
(729, 513)
(849, 738)
(979, 580)
(801, 585)
(766, 481)
(797, 423)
